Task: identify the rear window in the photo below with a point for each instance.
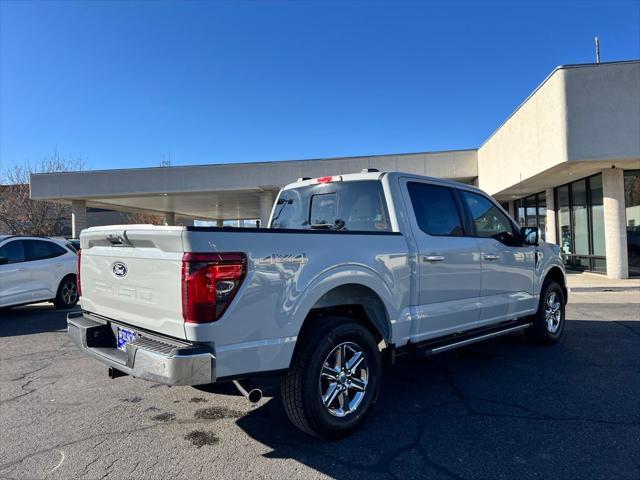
(40, 250)
(338, 206)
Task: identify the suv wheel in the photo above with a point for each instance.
(548, 322)
(67, 295)
(333, 378)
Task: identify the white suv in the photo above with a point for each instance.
(35, 269)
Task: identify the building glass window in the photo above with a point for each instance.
(531, 211)
(531, 219)
(542, 214)
(520, 210)
(597, 215)
(564, 220)
(580, 227)
(580, 223)
(632, 202)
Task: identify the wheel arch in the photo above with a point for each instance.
(356, 301)
(556, 274)
(66, 275)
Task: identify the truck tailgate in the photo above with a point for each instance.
(132, 274)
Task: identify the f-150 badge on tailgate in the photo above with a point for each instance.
(278, 259)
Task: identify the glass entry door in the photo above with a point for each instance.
(632, 202)
(580, 224)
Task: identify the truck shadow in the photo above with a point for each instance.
(31, 319)
(502, 409)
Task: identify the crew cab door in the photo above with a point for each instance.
(507, 267)
(15, 278)
(46, 269)
(448, 267)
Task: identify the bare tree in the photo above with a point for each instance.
(139, 218)
(19, 215)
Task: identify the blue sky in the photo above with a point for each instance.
(124, 84)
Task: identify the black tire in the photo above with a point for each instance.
(302, 388)
(548, 331)
(67, 295)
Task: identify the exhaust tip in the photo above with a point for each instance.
(250, 391)
(254, 395)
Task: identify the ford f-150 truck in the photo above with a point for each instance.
(353, 269)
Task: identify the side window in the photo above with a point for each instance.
(488, 219)
(435, 209)
(57, 250)
(40, 250)
(14, 251)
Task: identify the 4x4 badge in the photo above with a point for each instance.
(279, 259)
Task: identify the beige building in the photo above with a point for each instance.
(567, 159)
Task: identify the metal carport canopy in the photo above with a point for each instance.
(228, 191)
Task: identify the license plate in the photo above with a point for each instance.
(125, 336)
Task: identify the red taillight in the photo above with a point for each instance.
(78, 285)
(209, 283)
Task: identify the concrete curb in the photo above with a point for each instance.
(603, 289)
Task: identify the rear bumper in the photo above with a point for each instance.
(152, 357)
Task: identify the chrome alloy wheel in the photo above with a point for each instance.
(69, 292)
(552, 312)
(343, 379)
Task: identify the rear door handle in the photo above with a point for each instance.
(433, 258)
(491, 256)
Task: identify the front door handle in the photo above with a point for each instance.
(491, 256)
(433, 258)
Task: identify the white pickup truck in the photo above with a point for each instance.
(352, 269)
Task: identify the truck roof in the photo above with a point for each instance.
(373, 175)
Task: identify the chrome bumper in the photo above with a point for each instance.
(152, 357)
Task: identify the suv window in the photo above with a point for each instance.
(488, 219)
(357, 206)
(435, 209)
(14, 251)
(41, 249)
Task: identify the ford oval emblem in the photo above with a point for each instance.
(119, 269)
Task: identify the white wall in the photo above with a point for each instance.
(579, 116)
(531, 141)
(603, 112)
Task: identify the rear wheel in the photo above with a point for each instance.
(333, 378)
(548, 322)
(67, 295)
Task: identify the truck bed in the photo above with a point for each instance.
(287, 272)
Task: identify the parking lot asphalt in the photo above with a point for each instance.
(501, 409)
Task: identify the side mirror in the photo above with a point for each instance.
(530, 236)
(4, 260)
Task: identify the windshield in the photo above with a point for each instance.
(339, 206)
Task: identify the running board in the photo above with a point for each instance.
(432, 349)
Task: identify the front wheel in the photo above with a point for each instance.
(67, 295)
(333, 378)
(548, 322)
